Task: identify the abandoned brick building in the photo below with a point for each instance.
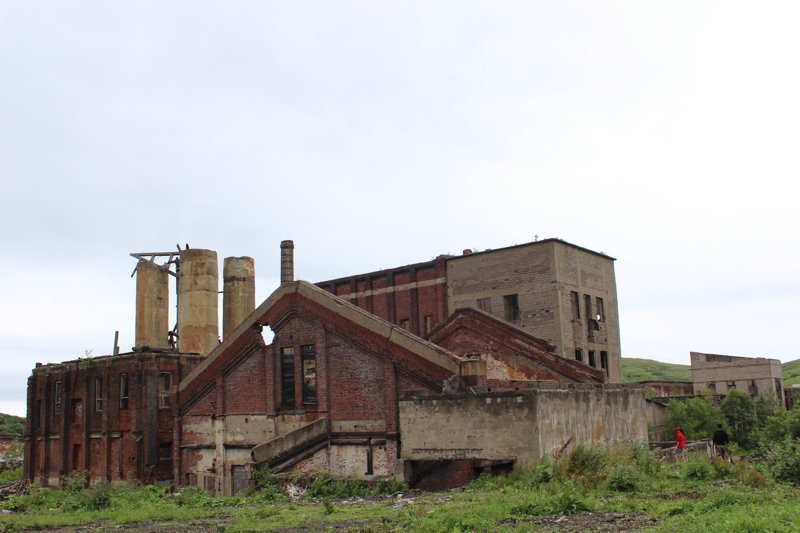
(326, 394)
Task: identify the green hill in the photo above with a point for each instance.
(791, 373)
(648, 370)
(11, 425)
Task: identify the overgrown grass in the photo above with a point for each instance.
(692, 496)
(11, 475)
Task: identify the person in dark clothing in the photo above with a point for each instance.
(720, 440)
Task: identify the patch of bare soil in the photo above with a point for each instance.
(588, 522)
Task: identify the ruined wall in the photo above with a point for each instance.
(522, 426)
(542, 277)
(412, 296)
(83, 419)
(753, 375)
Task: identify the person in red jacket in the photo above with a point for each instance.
(680, 447)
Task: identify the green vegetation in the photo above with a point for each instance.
(648, 370)
(791, 372)
(11, 425)
(622, 487)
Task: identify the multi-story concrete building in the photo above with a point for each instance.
(719, 374)
(554, 290)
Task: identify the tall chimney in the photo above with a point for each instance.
(238, 292)
(287, 262)
(198, 286)
(152, 305)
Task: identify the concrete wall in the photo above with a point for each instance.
(543, 275)
(754, 375)
(523, 426)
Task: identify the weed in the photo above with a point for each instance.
(697, 468)
(623, 478)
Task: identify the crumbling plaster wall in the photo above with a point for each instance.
(521, 425)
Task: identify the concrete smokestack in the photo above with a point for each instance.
(238, 292)
(287, 261)
(152, 305)
(198, 286)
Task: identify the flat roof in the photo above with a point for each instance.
(533, 243)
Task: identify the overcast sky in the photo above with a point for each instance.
(377, 134)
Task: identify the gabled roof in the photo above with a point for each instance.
(477, 328)
(302, 293)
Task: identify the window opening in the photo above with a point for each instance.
(309, 374)
(576, 305)
(592, 362)
(123, 391)
(287, 377)
(164, 451)
(485, 304)
(511, 304)
(57, 397)
(579, 355)
(405, 324)
(428, 324)
(604, 362)
(589, 318)
(164, 389)
(601, 310)
(98, 394)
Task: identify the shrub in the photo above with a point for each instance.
(697, 468)
(739, 411)
(696, 416)
(324, 487)
(623, 478)
(74, 482)
(588, 462)
(268, 488)
(646, 461)
(11, 475)
(568, 500)
(784, 461)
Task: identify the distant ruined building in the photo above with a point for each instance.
(431, 373)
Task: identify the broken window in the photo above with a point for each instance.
(485, 304)
(712, 387)
(309, 374)
(778, 389)
(287, 377)
(576, 305)
(592, 362)
(601, 310)
(753, 387)
(164, 389)
(604, 362)
(123, 391)
(98, 394)
(579, 355)
(405, 324)
(511, 305)
(428, 324)
(57, 398)
(164, 451)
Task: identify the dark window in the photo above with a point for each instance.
(604, 362)
(601, 310)
(405, 324)
(164, 389)
(98, 394)
(778, 389)
(76, 456)
(164, 451)
(485, 304)
(712, 387)
(37, 417)
(576, 305)
(589, 318)
(579, 355)
(428, 324)
(753, 387)
(309, 374)
(57, 397)
(287, 377)
(123, 391)
(731, 384)
(511, 305)
(592, 362)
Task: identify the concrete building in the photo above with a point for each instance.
(552, 289)
(719, 374)
(326, 394)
